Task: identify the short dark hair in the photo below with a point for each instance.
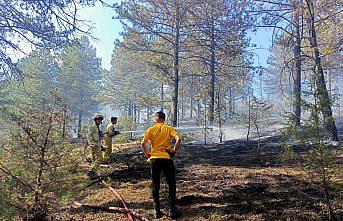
(114, 118)
(161, 115)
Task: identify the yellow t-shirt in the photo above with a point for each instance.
(159, 136)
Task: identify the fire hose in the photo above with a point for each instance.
(130, 213)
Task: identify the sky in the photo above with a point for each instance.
(263, 41)
(107, 30)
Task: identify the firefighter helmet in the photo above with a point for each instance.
(98, 117)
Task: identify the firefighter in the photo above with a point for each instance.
(94, 141)
(110, 132)
(160, 157)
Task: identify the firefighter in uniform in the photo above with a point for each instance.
(94, 136)
(110, 132)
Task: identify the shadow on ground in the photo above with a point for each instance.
(233, 180)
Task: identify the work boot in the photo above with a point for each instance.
(92, 175)
(157, 211)
(173, 212)
(157, 214)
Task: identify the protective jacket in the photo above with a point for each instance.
(93, 136)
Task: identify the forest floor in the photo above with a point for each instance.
(231, 180)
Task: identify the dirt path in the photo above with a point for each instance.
(227, 181)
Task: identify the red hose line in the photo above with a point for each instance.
(121, 199)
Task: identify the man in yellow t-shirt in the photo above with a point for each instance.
(160, 156)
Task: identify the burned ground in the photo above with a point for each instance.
(227, 181)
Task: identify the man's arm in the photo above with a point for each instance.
(90, 136)
(144, 142)
(177, 143)
(145, 149)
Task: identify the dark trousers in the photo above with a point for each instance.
(168, 168)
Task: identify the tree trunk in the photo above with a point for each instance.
(42, 160)
(234, 109)
(291, 98)
(330, 83)
(191, 108)
(79, 125)
(176, 64)
(297, 64)
(182, 107)
(147, 115)
(212, 73)
(198, 110)
(191, 99)
(322, 93)
(178, 117)
(129, 112)
(205, 121)
(219, 118)
(135, 112)
(162, 97)
(138, 115)
(230, 103)
(64, 120)
(249, 113)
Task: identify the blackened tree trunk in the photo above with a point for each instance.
(212, 73)
(129, 110)
(191, 99)
(138, 115)
(198, 110)
(79, 125)
(297, 64)
(182, 106)
(230, 103)
(64, 120)
(219, 117)
(135, 112)
(321, 93)
(162, 97)
(176, 65)
(147, 115)
(249, 112)
(191, 108)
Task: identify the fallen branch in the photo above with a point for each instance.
(112, 209)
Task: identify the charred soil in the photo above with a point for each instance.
(227, 181)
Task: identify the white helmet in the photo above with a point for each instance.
(98, 117)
